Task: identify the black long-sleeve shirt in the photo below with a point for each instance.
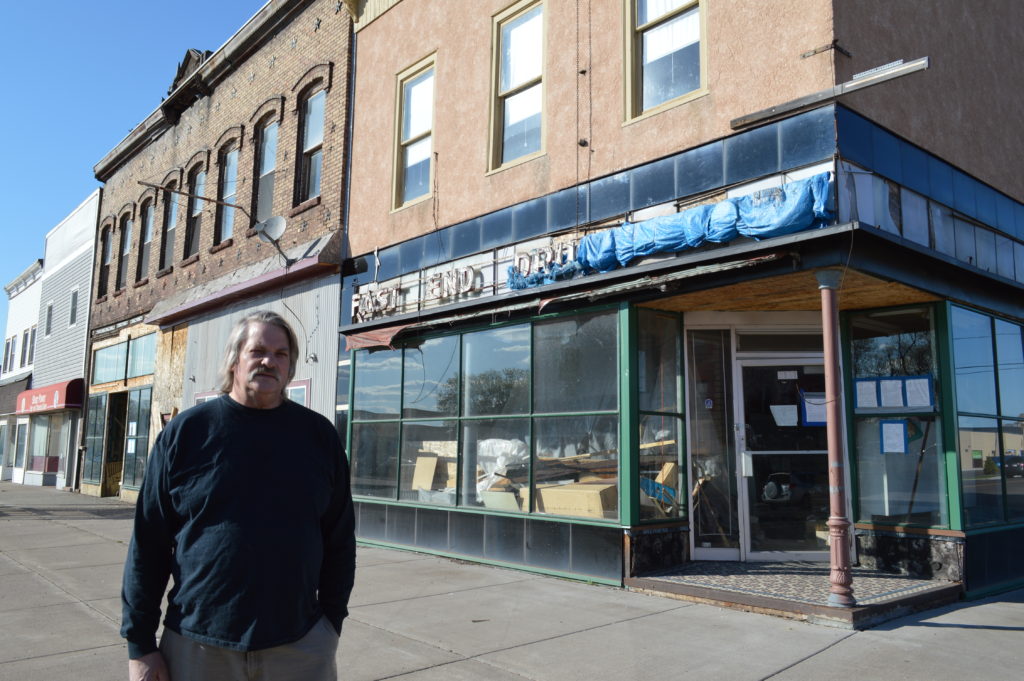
(250, 512)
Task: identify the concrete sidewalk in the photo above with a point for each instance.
(421, 618)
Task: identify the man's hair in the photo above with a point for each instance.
(240, 334)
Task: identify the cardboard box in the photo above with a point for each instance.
(500, 499)
(588, 500)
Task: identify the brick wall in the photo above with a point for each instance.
(310, 49)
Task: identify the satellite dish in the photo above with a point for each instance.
(271, 229)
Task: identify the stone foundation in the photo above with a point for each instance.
(655, 549)
(920, 556)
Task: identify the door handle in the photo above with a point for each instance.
(746, 464)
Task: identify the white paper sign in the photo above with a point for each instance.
(132, 427)
(814, 408)
(894, 438)
(867, 396)
(918, 392)
(131, 446)
(784, 414)
(892, 393)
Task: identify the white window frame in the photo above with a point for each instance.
(500, 97)
(426, 134)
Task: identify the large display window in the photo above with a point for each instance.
(521, 418)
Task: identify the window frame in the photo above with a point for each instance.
(48, 320)
(223, 225)
(499, 97)
(259, 191)
(194, 210)
(145, 239)
(400, 179)
(633, 80)
(169, 228)
(103, 271)
(305, 155)
(124, 243)
(73, 308)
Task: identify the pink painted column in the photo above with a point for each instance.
(840, 578)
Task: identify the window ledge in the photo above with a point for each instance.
(304, 206)
(165, 271)
(221, 246)
(119, 292)
(190, 260)
(141, 282)
(250, 233)
(101, 299)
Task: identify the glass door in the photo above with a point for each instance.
(783, 459)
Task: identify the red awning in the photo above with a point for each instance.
(373, 338)
(66, 395)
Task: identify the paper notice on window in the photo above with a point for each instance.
(814, 409)
(867, 394)
(131, 446)
(894, 437)
(919, 393)
(133, 428)
(785, 415)
(892, 393)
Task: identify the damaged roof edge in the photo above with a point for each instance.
(222, 62)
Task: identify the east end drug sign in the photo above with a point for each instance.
(471, 278)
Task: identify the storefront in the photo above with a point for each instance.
(51, 414)
(13, 429)
(648, 388)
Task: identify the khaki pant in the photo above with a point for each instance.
(311, 658)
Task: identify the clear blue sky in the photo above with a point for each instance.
(77, 77)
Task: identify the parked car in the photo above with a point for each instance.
(1014, 466)
(791, 488)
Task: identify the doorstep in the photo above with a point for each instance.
(798, 590)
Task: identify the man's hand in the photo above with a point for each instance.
(149, 667)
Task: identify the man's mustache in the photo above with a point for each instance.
(264, 372)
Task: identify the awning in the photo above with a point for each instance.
(66, 395)
(9, 391)
(372, 338)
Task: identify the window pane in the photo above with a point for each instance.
(429, 461)
(1013, 467)
(108, 363)
(268, 148)
(374, 459)
(496, 464)
(577, 465)
(496, 371)
(378, 379)
(416, 162)
(74, 308)
(313, 169)
(892, 343)
(979, 470)
(521, 49)
(658, 361)
(432, 378)
(671, 59)
(313, 120)
(576, 364)
(907, 487)
(649, 10)
(1010, 350)
(265, 198)
(521, 124)
(418, 98)
(660, 473)
(142, 355)
(972, 358)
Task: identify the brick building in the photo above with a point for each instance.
(584, 314)
(256, 128)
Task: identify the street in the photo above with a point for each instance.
(422, 618)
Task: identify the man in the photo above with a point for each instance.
(246, 503)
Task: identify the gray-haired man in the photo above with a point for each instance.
(246, 503)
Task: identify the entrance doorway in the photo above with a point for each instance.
(757, 443)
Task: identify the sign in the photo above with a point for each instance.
(66, 395)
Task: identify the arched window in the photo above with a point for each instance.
(266, 165)
(227, 192)
(104, 275)
(123, 251)
(169, 227)
(194, 219)
(311, 146)
(145, 240)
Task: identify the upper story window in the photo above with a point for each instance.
(49, 319)
(104, 274)
(73, 315)
(193, 226)
(665, 52)
(7, 354)
(124, 250)
(415, 137)
(266, 164)
(169, 227)
(312, 146)
(145, 240)
(32, 344)
(518, 91)
(227, 192)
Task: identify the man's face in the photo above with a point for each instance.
(261, 371)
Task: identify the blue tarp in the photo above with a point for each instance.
(793, 207)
